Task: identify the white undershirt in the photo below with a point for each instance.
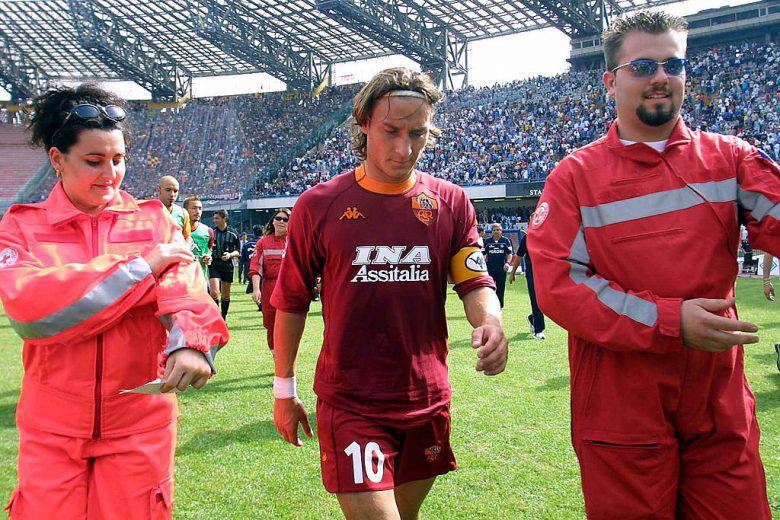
(658, 145)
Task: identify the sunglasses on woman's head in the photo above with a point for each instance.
(89, 111)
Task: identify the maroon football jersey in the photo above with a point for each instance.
(384, 253)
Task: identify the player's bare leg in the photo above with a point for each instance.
(214, 289)
(409, 497)
(371, 505)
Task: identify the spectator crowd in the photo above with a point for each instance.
(223, 148)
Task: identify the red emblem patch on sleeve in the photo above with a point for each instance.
(540, 215)
(425, 208)
(8, 257)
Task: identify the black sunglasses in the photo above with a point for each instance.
(646, 68)
(88, 111)
(281, 219)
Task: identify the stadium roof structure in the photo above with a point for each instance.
(161, 45)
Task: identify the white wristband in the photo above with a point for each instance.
(285, 387)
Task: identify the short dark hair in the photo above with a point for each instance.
(51, 108)
(222, 213)
(257, 230)
(643, 21)
(191, 198)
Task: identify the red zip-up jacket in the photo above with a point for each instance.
(93, 318)
(623, 234)
(267, 258)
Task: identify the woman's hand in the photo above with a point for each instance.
(163, 255)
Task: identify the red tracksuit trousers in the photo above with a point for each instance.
(123, 478)
(697, 454)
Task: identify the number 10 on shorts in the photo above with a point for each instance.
(372, 450)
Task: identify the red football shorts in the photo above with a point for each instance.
(360, 454)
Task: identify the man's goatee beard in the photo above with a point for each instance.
(657, 117)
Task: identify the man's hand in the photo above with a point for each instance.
(493, 348)
(225, 257)
(207, 259)
(511, 278)
(702, 329)
(507, 267)
(161, 256)
(256, 296)
(184, 367)
(288, 413)
(769, 291)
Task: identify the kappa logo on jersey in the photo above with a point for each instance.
(425, 208)
(406, 265)
(8, 257)
(352, 213)
(432, 453)
(540, 215)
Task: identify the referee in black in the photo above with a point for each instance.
(498, 251)
(226, 248)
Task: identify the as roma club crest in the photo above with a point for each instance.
(432, 453)
(425, 208)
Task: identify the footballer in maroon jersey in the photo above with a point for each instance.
(385, 238)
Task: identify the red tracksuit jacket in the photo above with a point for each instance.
(79, 293)
(623, 234)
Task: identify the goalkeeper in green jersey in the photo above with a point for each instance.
(201, 235)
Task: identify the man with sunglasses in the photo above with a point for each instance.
(634, 246)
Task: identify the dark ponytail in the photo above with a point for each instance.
(51, 108)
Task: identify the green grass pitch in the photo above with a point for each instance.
(510, 432)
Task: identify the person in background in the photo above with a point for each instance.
(243, 262)
(536, 318)
(247, 250)
(265, 263)
(226, 248)
(201, 236)
(498, 253)
(168, 193)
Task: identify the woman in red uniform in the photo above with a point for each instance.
(265, 264)
(106, 296)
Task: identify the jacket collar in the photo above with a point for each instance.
(60, 209)
(639, 152)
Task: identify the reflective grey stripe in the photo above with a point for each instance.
(658, 203)
(175, 338)
(98, 299)
(262, 257)
(176, 342)
(758, 204)
(639, 310)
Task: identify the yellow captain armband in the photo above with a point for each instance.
(467, 263)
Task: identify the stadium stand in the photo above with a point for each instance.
(493, 135)
(18, 161)
(519, 131)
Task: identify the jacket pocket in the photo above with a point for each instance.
(645, 236)
(13, 507)
(57, 238)
(126, 236)
(161, 500)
